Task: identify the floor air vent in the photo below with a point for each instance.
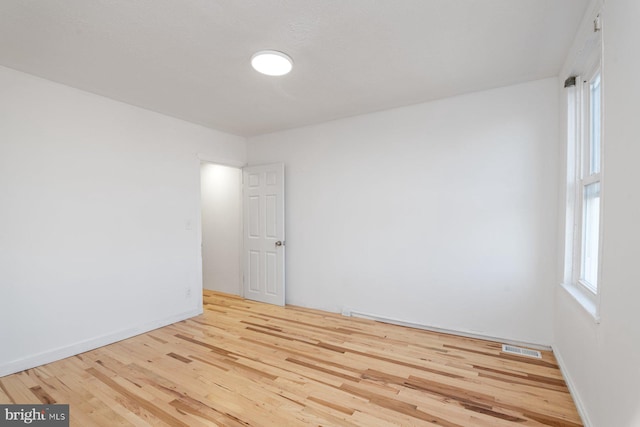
(511, 349)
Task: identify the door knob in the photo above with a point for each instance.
(279, 243)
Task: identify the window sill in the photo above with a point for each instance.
(583, 300)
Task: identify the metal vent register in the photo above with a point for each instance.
(511, 349)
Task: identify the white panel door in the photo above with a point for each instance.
(263, 206)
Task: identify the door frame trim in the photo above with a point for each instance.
(202, 157)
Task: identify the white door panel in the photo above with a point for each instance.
(264, 233)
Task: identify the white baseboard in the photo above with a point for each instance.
(90, 344)
(467, 334)
(582, 410)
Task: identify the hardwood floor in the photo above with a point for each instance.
(243, 363)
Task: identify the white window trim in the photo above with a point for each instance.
(585, 178)
(577, 163)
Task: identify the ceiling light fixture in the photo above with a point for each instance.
(271, 62)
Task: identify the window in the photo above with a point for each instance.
(589, 181)
(584, 177)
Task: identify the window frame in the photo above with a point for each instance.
(579, 176)
(585, 177)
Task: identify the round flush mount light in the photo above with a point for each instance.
(271, 62)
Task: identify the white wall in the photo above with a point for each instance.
(601, 360)
(221, 195)
(442, 214)
(99, 219)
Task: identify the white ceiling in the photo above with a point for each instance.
(191, 58)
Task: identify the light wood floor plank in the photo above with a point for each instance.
(243, 363)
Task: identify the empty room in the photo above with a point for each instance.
(319, 212)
